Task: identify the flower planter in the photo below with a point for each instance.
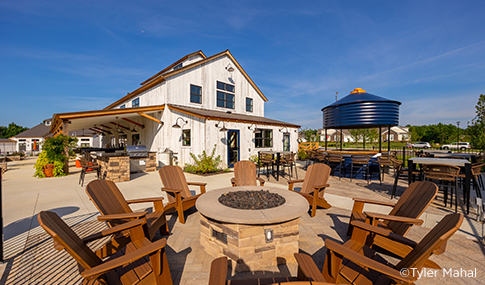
(49, 170)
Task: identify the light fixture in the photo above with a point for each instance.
(285, 129)
(176, 125)
(223, 129)
(268, 235)
(229, 68)
(256, 130)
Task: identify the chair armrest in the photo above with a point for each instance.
(383, 232)
(113, 230)
(125, 259)
(202, 186)
(367, 201)
(367, 262)
(291, 182)
(145, 200)
(308, 268)
(318, 187)
(134, 215)
(171, 190)
(261, 181)
(394, 218)
(218, 272)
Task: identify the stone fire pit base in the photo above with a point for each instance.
(245, 245)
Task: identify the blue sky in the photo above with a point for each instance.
(66, 56)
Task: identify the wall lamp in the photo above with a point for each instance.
(285, 129)
(223, 129)
(256, 130)
(176, 125)
(229, 68)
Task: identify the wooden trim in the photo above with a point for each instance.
(150, 118)
(106, 126)
(133, 122)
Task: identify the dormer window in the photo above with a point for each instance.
(122, 106)
(177, 66)
(135, 103)
(225, 95)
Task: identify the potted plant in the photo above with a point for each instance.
(52, 159)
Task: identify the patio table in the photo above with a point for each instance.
(278, 155)
(462, 163)
(468, 156)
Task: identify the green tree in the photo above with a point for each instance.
(310, 135)
(11, 130)
(476, 130)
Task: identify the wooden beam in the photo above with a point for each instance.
(150, 118)
(95, 130)
(121, 126)
(106, 127)
(133, 122)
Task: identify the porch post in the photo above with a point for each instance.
(380, 139)
(325, 139)
(65, 131)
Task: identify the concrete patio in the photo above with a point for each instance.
(31, 259)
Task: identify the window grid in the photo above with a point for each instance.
(225, 99)
(195, 94)
(263, 139)
(186, 138)
(135, 103)
(249, 104)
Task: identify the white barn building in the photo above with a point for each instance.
(192, 105)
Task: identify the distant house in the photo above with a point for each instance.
(31, 140)
(397, 134)
(193, 104)
(334, 135)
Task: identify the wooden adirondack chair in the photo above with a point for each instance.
(245, 174)
(115, 210)
(128, 266)
(178, 193)
(403, 215)
(356, 263)
(218, 275)
(313, 188)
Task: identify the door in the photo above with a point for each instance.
(286, 142)
(232, 147)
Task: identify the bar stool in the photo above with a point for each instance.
(334, 160)
(384, 162)
(360, 160)
(266, 160)
(476, 178)
(401, 171)
(288, 160)
(444, 173)
(88, 165)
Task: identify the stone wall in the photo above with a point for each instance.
(115, 168)
(246, 246)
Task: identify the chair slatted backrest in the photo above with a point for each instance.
(173, 178)
(477, 168)
(397, 164)
(435, 239)
(441, 171)
(335, 157)
(107, 198)
(245, 173)
(65, 236)
(317, 174)
(360, 158)
(412, 204)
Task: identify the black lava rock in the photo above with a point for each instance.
(251, 200)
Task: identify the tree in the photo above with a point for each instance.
(476, 130)
(310, 135)
(11, 131)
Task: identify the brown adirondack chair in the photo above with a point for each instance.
(403, 215)
(115, 210)
(218, 276)
(178, 193)
(313, 188)
(245, 174)
(356, 263)
(128, 266)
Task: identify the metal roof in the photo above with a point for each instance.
(360, 109)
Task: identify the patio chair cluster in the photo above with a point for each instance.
(132, 256)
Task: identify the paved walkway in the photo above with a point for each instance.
(31, 258)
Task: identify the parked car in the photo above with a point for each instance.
(454, 145)
(421, 145)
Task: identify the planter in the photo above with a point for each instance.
(49, 170)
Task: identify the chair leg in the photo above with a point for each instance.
(395, 185)
(180, 212)
(351, 171)
(456, 196)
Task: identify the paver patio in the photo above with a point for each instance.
(31, 259)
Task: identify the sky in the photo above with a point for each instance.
(67, 56)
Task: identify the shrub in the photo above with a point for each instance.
(53, 152)
(204, 163)
(302, 155)
(254, 158)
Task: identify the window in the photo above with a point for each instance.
(186, 138)
(391, 137)
(286, 142)
(195, 94)
(224, 98)
(249, 104)
(177, 66)
(122, 106)
(135, 103)
(84, 140)
(264, 138)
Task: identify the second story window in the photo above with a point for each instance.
(135, 103)
(225, 95)
(122, 106)
(249, 104)
(195, 94)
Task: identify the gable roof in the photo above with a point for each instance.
(41, 130)
(161, 76)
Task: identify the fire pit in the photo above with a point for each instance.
(251, 238)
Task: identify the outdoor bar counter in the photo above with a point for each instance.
(116, 166)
